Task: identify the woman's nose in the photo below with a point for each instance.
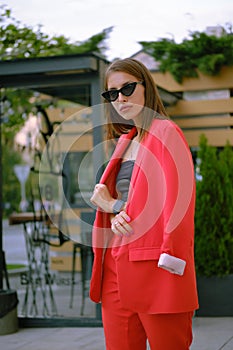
(121, 97)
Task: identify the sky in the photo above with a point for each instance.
(132, 20)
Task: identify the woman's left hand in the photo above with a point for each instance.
(120, 224)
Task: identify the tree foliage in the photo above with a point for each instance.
(203, 52)
(21, 41)
(214, 211)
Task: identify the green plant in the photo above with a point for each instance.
(11, 185)
(214, 211)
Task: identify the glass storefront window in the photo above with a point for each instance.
(54, 239)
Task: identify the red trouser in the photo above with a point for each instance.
(128, 330)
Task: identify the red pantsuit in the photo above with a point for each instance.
(128, 330)
(139, 299)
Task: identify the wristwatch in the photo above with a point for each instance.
(118, 205)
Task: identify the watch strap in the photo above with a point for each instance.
(118, 205)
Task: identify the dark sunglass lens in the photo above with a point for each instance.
(110, 95)
(113, 94)
(128, 89)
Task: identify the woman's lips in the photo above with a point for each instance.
(124, 108)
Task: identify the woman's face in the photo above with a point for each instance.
(129, 107)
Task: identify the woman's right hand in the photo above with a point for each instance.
(102, 198)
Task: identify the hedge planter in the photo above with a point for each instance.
(215, 296)
(8, 312)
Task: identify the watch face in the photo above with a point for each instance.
(118, 206)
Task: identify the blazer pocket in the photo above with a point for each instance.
(140, 254)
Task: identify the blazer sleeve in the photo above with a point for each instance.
(178, 213)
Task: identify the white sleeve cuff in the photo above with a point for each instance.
(172, 264)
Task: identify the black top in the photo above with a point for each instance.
(123, 179)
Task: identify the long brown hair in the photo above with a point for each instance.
(116, 125)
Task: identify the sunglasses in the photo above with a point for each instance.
(127, 90)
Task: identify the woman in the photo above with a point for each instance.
(143, 272)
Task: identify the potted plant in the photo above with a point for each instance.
(213, 230)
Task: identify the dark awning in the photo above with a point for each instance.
(67, 77)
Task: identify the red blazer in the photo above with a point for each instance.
(161, 205)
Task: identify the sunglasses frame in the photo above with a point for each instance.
(121, 90)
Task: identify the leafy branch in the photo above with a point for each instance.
(202, 52)
(22, 41)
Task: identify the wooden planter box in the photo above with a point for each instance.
(215, 296)
(8, 312)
